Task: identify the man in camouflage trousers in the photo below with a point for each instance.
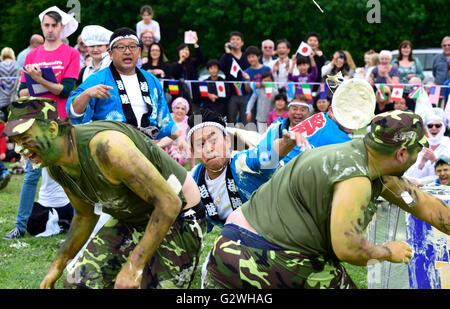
(154, 237)
(297, 228)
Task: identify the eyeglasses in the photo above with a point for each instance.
(431, 125)
(268, 47)
(445, 45)
(147, 37)
(122, 48)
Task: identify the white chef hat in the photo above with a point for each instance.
(68, 21)
(95, 35)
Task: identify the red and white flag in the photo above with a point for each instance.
(235, 68)
(397, 93)
(304, 49)
(220, 86)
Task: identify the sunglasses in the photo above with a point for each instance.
(445, 45)
(438, 125)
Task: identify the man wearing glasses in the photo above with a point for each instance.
(441, 62)
(268, 52)
(123, 92)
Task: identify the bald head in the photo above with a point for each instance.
(36, 40)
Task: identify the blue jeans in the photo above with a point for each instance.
(27, 196)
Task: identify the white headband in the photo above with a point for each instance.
(128, 36)
(300, 104)
(206, 124)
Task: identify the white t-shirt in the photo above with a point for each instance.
(51, 194)
(154, 26)
(218, 191)
(138, 105)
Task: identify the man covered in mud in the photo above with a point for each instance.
(311, 215)
(154, 237)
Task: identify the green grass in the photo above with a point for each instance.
(24, 262)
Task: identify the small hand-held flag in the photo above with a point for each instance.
(235, 68)
(304, 49)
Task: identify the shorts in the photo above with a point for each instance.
(172, 266)
(248, 261)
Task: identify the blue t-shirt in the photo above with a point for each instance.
(111, 108)
(320, 131)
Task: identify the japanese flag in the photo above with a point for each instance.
(220, 86)
(304, 49)
(235, 68)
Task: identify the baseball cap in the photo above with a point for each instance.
(23, 112)
(398, 128)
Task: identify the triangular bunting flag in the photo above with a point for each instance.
(397, 93)
(235, 68)
(253, 86)
(268, 87)
(220, 86)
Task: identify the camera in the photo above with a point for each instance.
(230, 46)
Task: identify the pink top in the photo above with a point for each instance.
(272, 116)
(183, 125)
(64, 60)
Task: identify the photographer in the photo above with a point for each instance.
(233, 51)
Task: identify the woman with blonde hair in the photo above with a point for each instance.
(8, 75)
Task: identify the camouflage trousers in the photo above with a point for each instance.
(234, 265)
(172, 266)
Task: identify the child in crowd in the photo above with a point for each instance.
(303, 64)
(253, 73)
(280, 109)
(214, 102)
(148, 22)
(442, 170)
(264, 99)
(321, 104)
(401, 105)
